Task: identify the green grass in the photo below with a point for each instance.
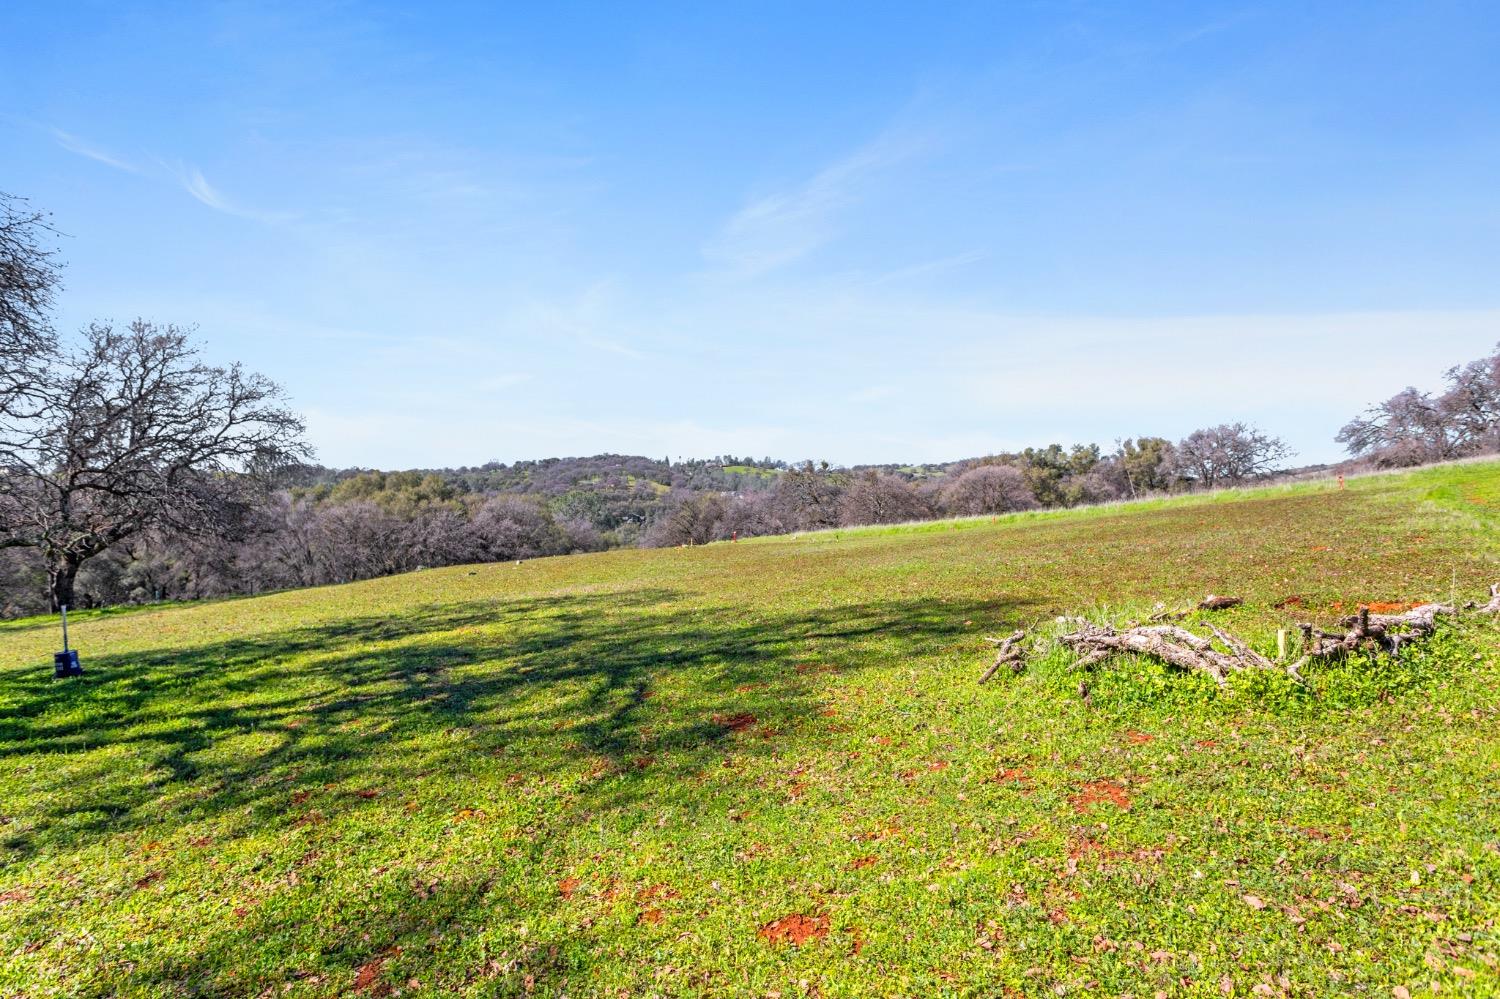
(755, 470)
(608, 774)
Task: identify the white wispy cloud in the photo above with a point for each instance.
(82, 147)
(194, 183)
(185, 175)
(777, 229)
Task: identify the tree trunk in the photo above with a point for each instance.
(60, 576)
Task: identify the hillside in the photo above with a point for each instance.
(765, 768)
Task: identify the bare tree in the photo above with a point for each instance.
(697, 519)
(131, 432)
(749, 515)
(28, 279)
(989, 489)
(1229, 453)
(1412, 427)
(509, 527)
(1472, 401)
(879, 498)
(1104, 482)
(807, 497)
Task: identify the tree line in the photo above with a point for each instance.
(131, 471)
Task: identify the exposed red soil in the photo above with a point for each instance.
(651, 916)
(1139, 738)
(1097, 792)
(1380, 606)
(367, 979)
(567, 886)
(735, 723)
(796, 929)
(1012, 775)
(868, 860)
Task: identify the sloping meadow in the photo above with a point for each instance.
(766, 768)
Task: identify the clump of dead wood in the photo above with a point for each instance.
(1009, 654)
(1220, 654)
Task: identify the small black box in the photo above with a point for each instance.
(66, 664)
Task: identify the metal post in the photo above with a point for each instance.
(65, 663)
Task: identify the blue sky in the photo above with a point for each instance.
(861, 232)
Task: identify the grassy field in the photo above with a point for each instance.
(765, 769)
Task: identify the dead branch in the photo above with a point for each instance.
(1381, 632)
(1008, 653)
(1493, 607)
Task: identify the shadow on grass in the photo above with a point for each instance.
(629, 695)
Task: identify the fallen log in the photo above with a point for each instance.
(1182, 649)
(1381, 632)
(1177, 647)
